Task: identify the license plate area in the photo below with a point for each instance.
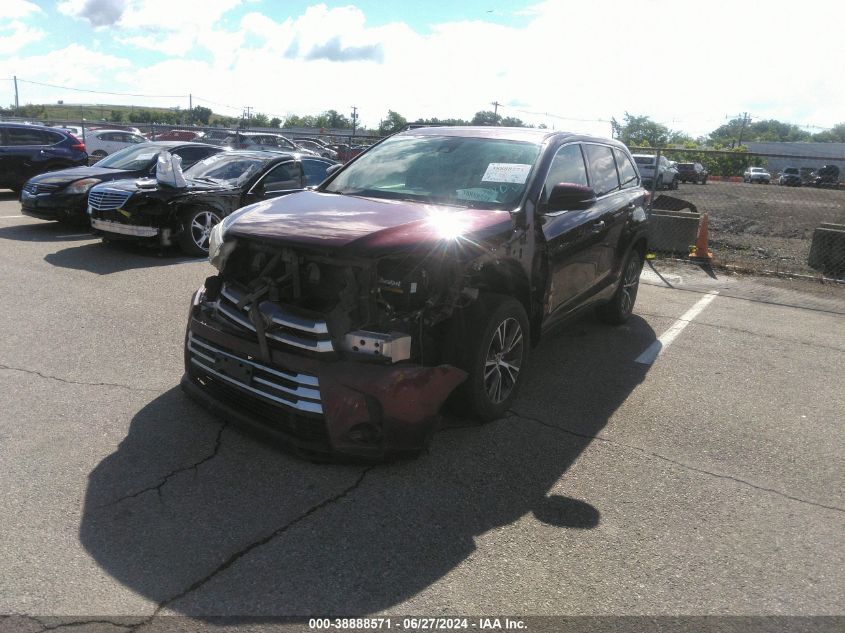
(233, 368)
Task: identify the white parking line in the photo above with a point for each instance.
(13, 216)
(654, 350)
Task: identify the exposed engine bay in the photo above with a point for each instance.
(385, 310)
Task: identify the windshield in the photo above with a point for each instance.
(757, 169)
(132, 158)
(461, 171)
(225, 168)
(791, 170)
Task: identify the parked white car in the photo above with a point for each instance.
(756, 174)
(101, 143)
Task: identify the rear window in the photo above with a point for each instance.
(26, 136)
(602, 168)
(686, 166)
(627, 172)
(644, 160)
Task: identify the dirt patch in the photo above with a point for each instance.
(764, 227)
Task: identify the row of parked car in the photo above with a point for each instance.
(342, 317)
(102, 141)
(121, 199)
(667, 174)
(824, 177)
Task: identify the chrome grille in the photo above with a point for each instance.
(278, 386)
(36, 188)
(106, 199)
(287, 327)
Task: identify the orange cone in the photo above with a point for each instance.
(700, 251)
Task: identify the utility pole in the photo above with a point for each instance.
(191, 108)
(354, 122)
(742, 127)
(246, 115)
(16, 95)
(495, 105)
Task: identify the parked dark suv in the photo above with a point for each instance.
(342, 318)
(692, 172)
(27, 150)
(63, 195)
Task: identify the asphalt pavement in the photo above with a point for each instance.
(707, 482)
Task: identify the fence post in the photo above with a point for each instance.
(654, 175)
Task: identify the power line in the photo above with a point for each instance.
(103, 92)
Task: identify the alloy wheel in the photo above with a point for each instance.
(630, 285)
(503, 360)
(201, 226)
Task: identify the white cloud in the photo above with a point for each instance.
(74, 65)
(15, 35)
(14, 9)
(569, 59)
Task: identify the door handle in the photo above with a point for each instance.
(598, 227)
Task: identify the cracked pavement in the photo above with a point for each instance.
(707, 483)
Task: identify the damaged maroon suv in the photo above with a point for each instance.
(342, 318)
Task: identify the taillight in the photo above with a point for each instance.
(79, 146)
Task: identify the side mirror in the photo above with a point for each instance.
(332, 169)
(566, 196)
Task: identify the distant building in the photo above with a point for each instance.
(812, 155)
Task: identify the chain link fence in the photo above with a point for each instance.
(765, 214)
(346, 142)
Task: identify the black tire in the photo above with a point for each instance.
(659, 186)
(196, 224)
(619, 309)
(704, 180)
(98, 154)
(497, 341)
(674, 184)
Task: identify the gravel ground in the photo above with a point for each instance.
(764, 227)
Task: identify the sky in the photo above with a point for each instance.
(571, 65)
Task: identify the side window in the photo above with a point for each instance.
(567, 166)
(315, 171)
(283, 177)
(627, 173)
(191, 155)
(602, 168)
(24, 136)
(283, 142)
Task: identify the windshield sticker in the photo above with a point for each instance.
(478, 193)
(145, 156)
(506, 172)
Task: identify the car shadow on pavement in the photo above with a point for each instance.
(206, 521)
(45, 232)
(8, 194)
(107, 258)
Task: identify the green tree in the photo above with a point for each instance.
(202, 115)
(486, 117)
(640, 131)
(275, 122)
(333, 119)
(836, 134)
(115, 116)
(436, 121)
(510, 121)
(259, 120)
(392, 123)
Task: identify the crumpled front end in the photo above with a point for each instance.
(331, 356)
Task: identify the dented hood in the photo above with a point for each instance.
(363, 226)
